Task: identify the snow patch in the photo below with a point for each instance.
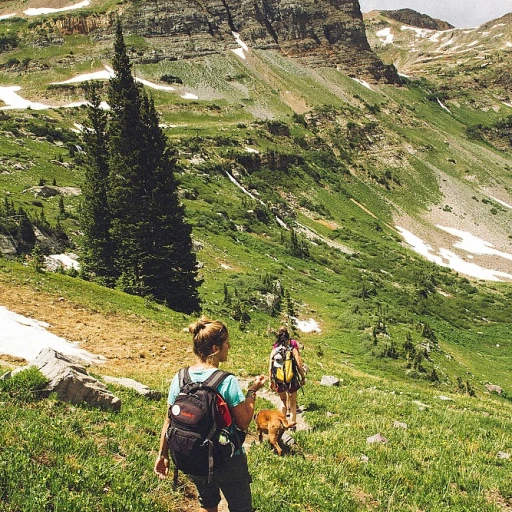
(362, 82)
(420, 32)
(385, 35)
(443, 106)
(472, 244)
(309, 325)
(26, 337)
(49, 10)
(502, 202)
(446, 258)
(66, 261)
(243, 47)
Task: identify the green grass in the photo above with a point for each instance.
(446, 458)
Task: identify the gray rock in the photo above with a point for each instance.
(377, 438)
(142, 389)
(329, 380)
(7, 245)
(493, 388)
(70, 381)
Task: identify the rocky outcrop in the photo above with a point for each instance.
(416, 19)
(318, 32)
(134, 385)
(69, 380)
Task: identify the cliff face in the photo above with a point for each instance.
(318, 32)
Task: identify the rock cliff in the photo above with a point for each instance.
(318, 32)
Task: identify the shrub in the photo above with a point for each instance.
(24, 386)
(170, 79)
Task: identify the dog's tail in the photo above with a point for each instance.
(288, 424)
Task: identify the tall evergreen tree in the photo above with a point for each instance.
(170, 268)
(151, 242)
(128, 191)
(98, 253)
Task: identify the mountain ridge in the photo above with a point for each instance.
(318, 33)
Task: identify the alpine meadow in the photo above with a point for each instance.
(263, 163)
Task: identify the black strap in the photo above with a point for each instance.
(175, 479)
(183, 377)
(214, 380)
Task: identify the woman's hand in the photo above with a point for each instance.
(162, 466)
(258, 382)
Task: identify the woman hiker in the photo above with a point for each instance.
(211, 346)
(286, 372)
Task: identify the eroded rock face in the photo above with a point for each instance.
(318, 32)
(71, 382)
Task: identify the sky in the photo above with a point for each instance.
(460, 13)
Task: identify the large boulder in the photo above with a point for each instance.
(70, 381)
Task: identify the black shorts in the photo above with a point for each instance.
(290, 387)
(233, 479)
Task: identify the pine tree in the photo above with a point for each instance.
(149, 242)
(98, 250)
(26, 237)
(169, 269)
(128, 188)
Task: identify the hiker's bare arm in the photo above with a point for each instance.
(162, 459)
(244, 411)
(300, 367)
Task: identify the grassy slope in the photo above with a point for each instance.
(445, 459)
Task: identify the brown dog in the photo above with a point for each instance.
(274, 424)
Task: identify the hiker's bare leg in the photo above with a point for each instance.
(293, 406)
(284, 406)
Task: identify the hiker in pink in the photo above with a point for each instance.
(286, 372)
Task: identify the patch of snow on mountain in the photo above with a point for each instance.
(385, 35)
(420, 32)
(447, 258)
(243, 47)
(26, 337)
(49, 10)
(363, 83)
(9, 95)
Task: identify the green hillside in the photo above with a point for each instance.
(295, 181)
